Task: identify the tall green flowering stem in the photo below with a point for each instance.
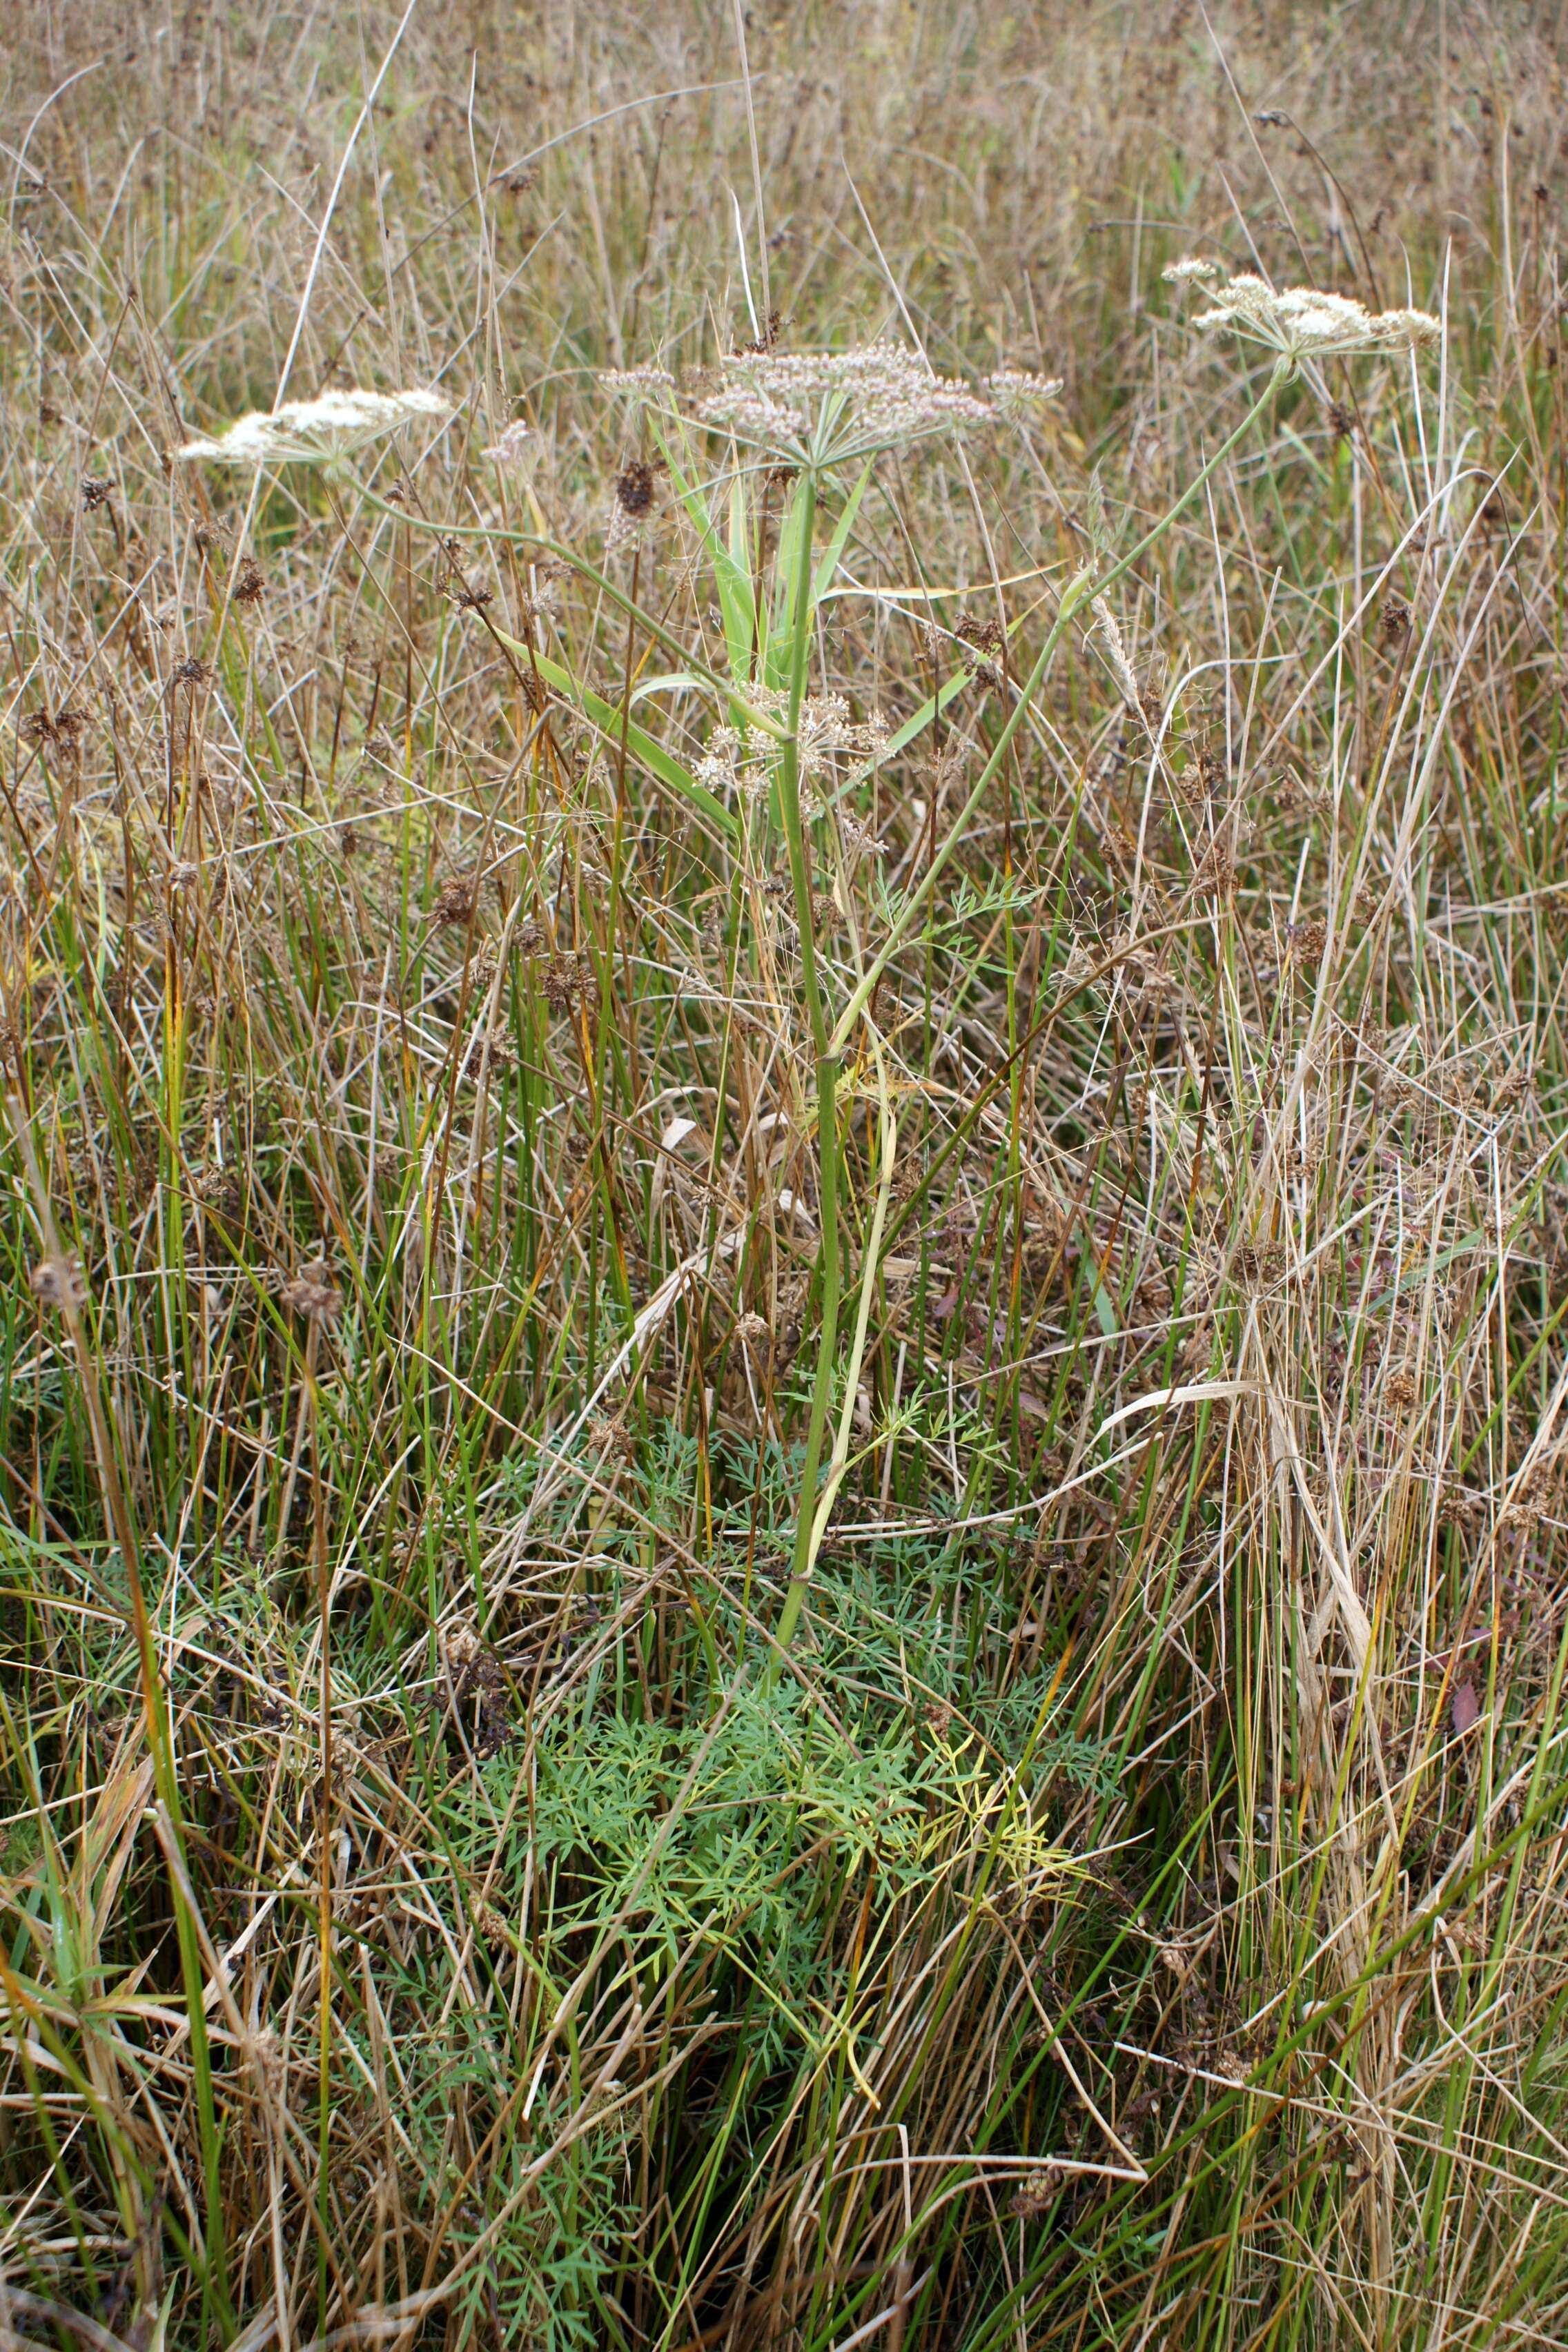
(829, 1047)
(826, 1081)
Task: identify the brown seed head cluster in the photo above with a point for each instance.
(473, 596)
(566, 984)
(57, 1282)
(481, 1688)
(634, 489)
(633, 503)
(313, 1294)
(457, 899)
(61, 729)
(1039, 2193)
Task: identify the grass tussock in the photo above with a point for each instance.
(782, 1455)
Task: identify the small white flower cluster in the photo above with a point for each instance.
(315, 432)
(645, 383)
(1306, 322)
(878, 397)
(510, 445)
(826, 406)
(718, 769)
(858, 839)
(825, 728)
(1017, 390)
(740, 759)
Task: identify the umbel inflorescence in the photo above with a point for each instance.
(316, 432)
(742, 758)
(819, 407)
(1303, 321)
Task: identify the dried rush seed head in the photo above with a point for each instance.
(457, 898)
(313, 1294)
(57, 1282)
(632, 504)
(315, 432)
(634, 489)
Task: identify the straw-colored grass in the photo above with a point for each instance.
(782, 1449)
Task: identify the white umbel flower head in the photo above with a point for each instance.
(316, 432)
(1190, 272)
(1307, 322)
(648, 383)
(1414, 328)
(824, 407)
(1018, 391)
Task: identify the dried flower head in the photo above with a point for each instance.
(634, 489)
(457, 899)
(94, 493)
(249, 583)
(469, 596)
(316, 432)
(767, 340)
(57, 1282)
(1411, 330)
(719, 766)
(560, 983)
(1116, 653)
(544, 586)
(62, 729)
(511, 445)
(988, 638)
(634, 503)
(1039, 2191)
(860, 841)
(491, 1925)
(313, 1294)
(1307, 322)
